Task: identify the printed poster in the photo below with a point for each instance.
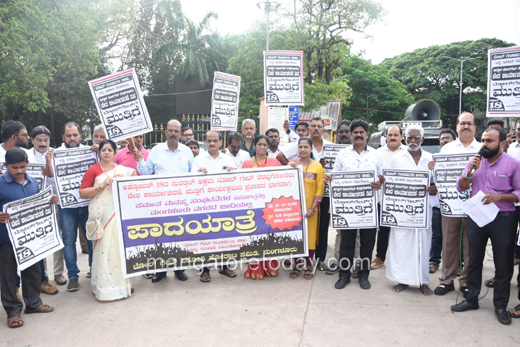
(224, 102)
(503, 98)
(283, 78)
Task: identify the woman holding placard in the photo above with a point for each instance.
(107, 276)
(313, 175)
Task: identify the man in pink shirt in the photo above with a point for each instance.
(133, 151)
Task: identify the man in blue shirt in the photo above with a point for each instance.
(167, 158)
(16, 185)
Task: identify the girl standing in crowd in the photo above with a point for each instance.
(107, 276)
(313, 175)
(259, 160)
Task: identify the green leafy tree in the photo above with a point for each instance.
(387, 97)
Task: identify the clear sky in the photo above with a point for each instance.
(408, 24)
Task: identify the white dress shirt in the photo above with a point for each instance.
(240, 158)
(349, 159)
(219, 164)
(386, 154)
(456, 147)
(273, 154)
(30, 155)
(514, 150)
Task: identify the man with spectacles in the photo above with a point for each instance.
(14, 135)
(451, 226)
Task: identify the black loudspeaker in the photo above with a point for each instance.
(424, 110)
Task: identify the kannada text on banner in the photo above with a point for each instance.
(283, 78)
(330, 152)
(178, 222)
(33, 228)
(448, 169)
(353, 200)
(503, 98)
(120, 105)
(405, 199)
(224, 102)
(70, 166)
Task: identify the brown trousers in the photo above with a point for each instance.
(451, 249)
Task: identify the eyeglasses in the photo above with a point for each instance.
(23, 135)
(466, 123)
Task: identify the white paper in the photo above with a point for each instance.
(480, 213)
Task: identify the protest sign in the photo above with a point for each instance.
(70, 165)
(283, 78)
(330, 152)
(353, 201)
(178, 222)
(224, 102)
(405, 200)
(276, 116)
(33, 228)
(120, 105)
(503, 92)
(448, 169)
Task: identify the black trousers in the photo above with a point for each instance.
(382, 238)
(323, 227)
(347, 247)
(31, 283)
(502, 232)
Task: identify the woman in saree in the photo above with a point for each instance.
(260, 159)
(107, 276)
(313, 175)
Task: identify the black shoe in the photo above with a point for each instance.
(73, 285)
(342, 282)
(503, 316)
(158, 276)
(464, 306)
(355, 272)
(364, 283)
(465, 291)
(181, 275)
(443, 289)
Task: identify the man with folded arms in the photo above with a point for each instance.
(15, 184)
(497, 175)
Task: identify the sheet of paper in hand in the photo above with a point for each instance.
(405, 199)
(353, 201)
(33, 228)
(70, 166)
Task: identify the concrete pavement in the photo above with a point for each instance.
(274, 312)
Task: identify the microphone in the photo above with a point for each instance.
(474, 168)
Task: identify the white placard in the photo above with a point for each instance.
(448, 169)
(405, 199)
(33, 228)
(283, 78)
(275, 118)
(353, 201)
(330, 152)
(503, 98)
(70, 165)
(224, 102)
(120, 105)
(481, 214)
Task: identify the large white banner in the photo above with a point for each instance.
(330, 152)
(183, 221)
(33, 228)
(448, 169)
(120, 105)
(503, 98)
(405, 199)
(70, 165)
(283, 78)
(224, 102)
(353, 201)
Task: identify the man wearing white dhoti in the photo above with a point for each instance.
(409, 249)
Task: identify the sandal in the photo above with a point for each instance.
(14, 322)
(205, 277)
(41, 309)
(490, 283)
(400, 287)
(515, 312)
(426, 290)
(295, 273)
(227, 273)
(308, 275)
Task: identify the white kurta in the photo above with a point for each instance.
(409, 249)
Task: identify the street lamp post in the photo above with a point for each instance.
(268, 6)
(461, 65)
